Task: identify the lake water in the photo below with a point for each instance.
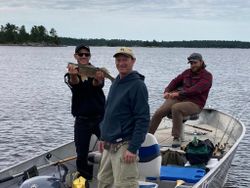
(35, 103)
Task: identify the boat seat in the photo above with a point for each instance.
(94, 157)
(149, 161)
(185, 118)
(191, 117)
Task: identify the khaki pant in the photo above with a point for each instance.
(114, 171)
(178, 110)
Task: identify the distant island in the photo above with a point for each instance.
(11, 34)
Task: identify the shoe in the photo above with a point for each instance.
(176, 143)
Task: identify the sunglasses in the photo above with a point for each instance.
(85, 54)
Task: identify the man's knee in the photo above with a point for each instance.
(160, 113)
(176, 108)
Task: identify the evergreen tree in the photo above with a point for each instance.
(23, 35)
(10, 33)
(53, 35)
(38, 34)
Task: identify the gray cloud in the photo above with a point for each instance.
(158, 19)
(187, 9)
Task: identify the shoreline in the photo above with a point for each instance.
(33, 45)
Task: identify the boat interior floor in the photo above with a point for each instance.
(192, 129)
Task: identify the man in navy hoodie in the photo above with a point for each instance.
(125, 124)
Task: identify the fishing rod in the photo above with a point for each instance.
(221, 147)
(231, 120)
(197, 127)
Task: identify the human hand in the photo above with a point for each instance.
(72, 69)
(99, 76)
(129, 157)
(174, 95)
(166, 95)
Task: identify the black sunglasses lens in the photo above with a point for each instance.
(85, 54)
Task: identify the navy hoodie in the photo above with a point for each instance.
(127, 111)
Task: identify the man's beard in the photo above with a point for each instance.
(196, 69)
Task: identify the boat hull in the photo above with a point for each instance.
(234, 131)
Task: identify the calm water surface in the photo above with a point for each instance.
(35, 103)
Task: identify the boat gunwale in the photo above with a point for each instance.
(230, 151)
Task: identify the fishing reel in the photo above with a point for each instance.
(219, 150)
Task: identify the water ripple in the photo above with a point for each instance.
(35, 103)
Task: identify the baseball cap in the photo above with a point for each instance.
(81, 46)
(125, 51)
(195, 56)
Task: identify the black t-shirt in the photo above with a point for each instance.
(87, 100)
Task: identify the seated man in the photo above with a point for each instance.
(185, 95)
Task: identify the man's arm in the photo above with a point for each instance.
(141, 118)
(174, 84)
(73, 77)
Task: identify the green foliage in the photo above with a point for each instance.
(11, 34)
(154, 43)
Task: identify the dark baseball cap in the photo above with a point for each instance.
(81, 46)
(194, 57)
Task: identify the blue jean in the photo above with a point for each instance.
(83, 130)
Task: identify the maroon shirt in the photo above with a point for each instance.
(193, 87)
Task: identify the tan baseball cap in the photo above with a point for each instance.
(125, 51)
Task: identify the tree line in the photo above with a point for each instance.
(12, 34)
(154, 43)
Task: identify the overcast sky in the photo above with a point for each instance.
(134, 19)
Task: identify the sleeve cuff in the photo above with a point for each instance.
(132, 149)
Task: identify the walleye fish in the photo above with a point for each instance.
(90, 71)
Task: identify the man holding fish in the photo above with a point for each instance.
(87, 107)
